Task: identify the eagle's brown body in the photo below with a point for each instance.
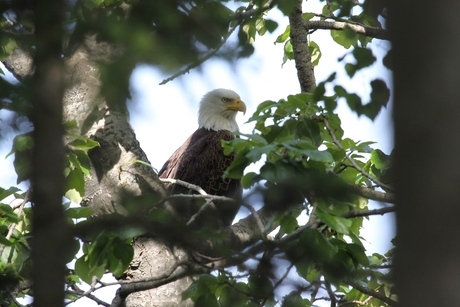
(201, 161)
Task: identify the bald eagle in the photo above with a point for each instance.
(201, 159)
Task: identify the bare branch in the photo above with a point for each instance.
(185, 184)
(358, 213)
(80, 293)
(330, 292)
(370, 193)
(340, 25)
(208, 203)
(127, 289)
(94, 281)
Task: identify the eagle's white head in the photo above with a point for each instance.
(218, 110)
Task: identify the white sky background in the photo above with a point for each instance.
(163, 116)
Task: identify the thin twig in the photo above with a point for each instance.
(205, 57)
(190, 186)
(208, 203)
(184, 184)
(358, 213)
(80, 293)
(353, 162)
(92, 288)
(147, 279)
(331, 294)
(278, 283)
(373, 293)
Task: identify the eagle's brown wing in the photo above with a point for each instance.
(201, 161)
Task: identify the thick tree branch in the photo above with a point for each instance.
(302, 57)
(340, 25)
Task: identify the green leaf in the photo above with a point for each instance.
(22, 165)
(346, 37)
(288, 51)
(248, 180)
(337, 223)
(315, 52)
(191, 291)
(308, 16)
(288, 224)
(249, 28)
(70, 125)
(82, 269)
(260, 26)
(330, 8)
(284, 36)
(364, 57)
(80, 160)
(294, 299)
(260, 286)
(236, 169)
(92, 4)
(358, 253)
(380, 94)
(8, 45)
(271, 25)
(208, 300)
(75, 186)
(380, 159)
(79, 212)
(5, 242)
(231, 297)
(286, 6)
(5, 193)
(316, 246)
(123, 252)
(7, 212)
(82, 142)
(21, 142)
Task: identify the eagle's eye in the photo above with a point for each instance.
(226, 100)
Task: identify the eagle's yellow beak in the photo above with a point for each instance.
(237, 105)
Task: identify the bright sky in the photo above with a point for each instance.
(164, 116)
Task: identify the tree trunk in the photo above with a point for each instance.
(427, 147)
(115, 174)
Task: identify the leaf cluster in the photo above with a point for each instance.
(306, 173)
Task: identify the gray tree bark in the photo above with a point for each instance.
(114, 173)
